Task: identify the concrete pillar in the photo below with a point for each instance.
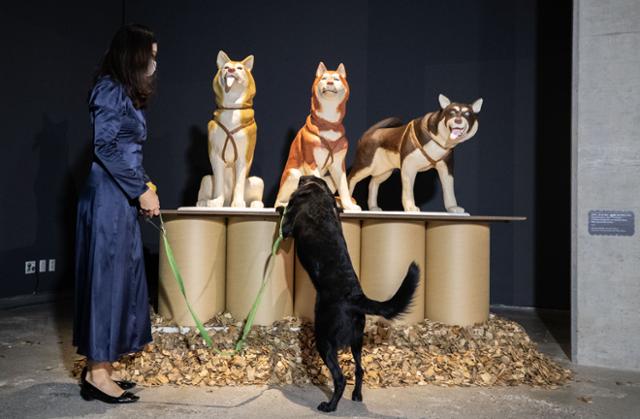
(605, 176)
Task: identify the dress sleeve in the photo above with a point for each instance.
(148, 181)
(107, 108)
(145, 177)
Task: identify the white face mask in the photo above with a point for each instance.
(151, 68)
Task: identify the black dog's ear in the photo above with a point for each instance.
(287, 219)
(287, 226)
(287, 230)
(337, 207)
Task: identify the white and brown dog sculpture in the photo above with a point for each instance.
(422, 144)
(232, 138)
(321, 145)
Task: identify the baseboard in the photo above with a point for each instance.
(34, 299)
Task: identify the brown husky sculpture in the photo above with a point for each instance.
(422, 144)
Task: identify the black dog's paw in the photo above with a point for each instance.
(326, 407)
(356, 397)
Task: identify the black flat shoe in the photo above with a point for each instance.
(90, 392)
(125, 385)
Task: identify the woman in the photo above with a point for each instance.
(112, 308)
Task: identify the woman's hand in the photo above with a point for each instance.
(149, 203)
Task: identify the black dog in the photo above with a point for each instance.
(312, 218)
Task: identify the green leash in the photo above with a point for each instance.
(254, 308)
(265, 277)
(176, 273)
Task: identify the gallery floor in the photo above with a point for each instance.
(35, 382)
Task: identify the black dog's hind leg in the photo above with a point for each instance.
(329, 355)
(356, 351)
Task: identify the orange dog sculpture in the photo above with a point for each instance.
(321, 145)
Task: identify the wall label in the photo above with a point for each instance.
(611, 223)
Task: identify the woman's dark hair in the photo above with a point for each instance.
(127, 61)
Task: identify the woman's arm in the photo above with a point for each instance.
(107, 106)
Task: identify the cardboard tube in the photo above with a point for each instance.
(387, 249)
(457, 260)
(249, 241)
(305, 293)
(199, 246)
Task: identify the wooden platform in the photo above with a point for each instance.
(222, 254)
(400, 215)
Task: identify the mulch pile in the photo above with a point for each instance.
(497, 353)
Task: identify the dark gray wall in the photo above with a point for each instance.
(399, 56)
(49, 52)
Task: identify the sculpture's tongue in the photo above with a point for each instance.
(229, 82)
(455, 133)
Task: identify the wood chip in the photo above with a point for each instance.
(496, 353)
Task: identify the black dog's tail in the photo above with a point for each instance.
(401, 300)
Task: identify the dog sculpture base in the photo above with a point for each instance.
(253, 190)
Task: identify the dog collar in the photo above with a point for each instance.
(229, 108)
(412, 135)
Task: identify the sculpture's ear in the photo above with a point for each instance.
(342, 71)
(248, 62)
(444, 101)
(477, 105)
(222, 59)
(321, 69)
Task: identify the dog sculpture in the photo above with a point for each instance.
(232, 138)
(321, 144)
(420, 145)
(312, 219)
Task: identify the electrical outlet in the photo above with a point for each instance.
(42, 265)
(30, 267)
(52, 265)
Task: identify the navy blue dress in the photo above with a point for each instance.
(112, 308)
